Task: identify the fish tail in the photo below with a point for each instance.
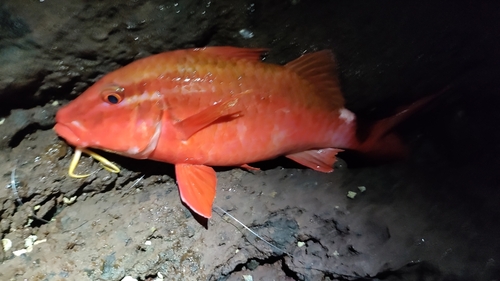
(382, 142)
(388, 146)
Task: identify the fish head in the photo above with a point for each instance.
(118, 118)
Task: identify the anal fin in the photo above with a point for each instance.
(250, 168)
(317, 159)
(197, 186)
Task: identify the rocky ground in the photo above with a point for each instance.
(434, 216)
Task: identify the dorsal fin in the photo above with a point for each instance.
(234, 52)
(319, 69)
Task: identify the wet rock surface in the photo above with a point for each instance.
(431, 217)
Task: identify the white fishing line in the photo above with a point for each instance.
(13, 186)
(251, 231)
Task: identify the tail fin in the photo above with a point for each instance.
(381, 143)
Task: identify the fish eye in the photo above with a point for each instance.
(113, 98)
(112, 95)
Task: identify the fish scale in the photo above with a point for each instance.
(220, 106)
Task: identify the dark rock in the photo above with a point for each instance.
(425, 217)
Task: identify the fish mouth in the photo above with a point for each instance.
(69, 135)
(65, 132)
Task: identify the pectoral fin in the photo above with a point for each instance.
(320, 159)
(209, 115)
(197, 185)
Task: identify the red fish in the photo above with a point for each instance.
(221, 106)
